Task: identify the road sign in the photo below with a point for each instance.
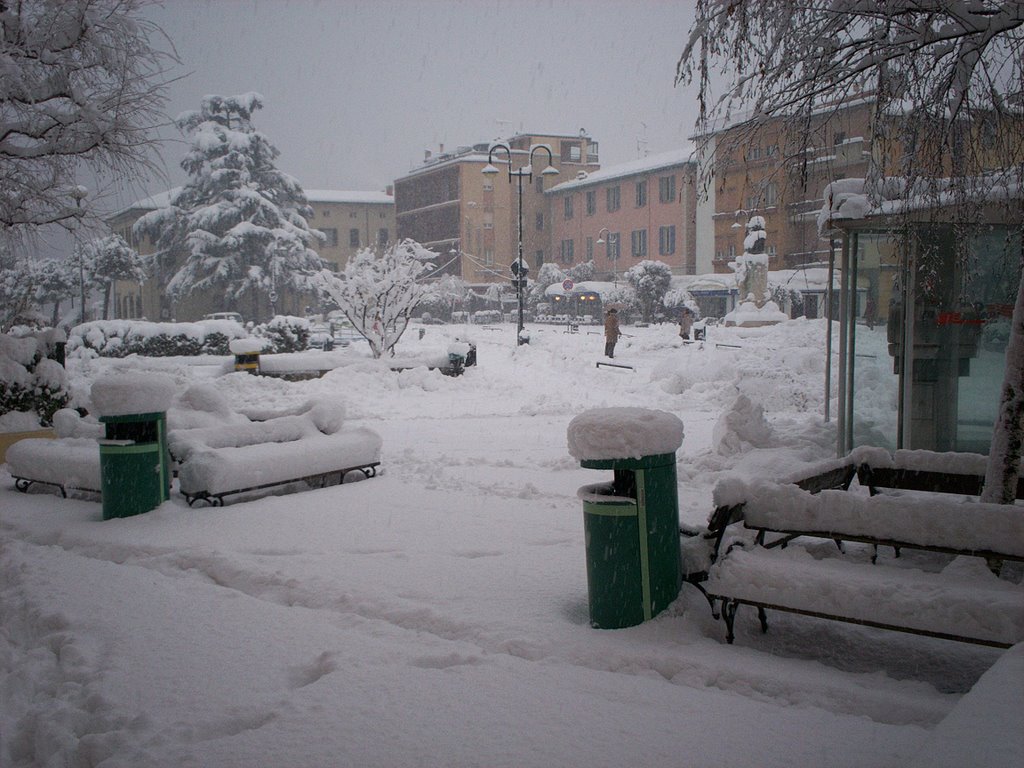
(567, 284)
(272, 296)
(519, 267)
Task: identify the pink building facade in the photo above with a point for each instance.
(625, 214)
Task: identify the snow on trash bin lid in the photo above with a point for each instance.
(246, 346)
(623, 433)
(123, 394)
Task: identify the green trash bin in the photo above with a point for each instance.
(631, 523)
(135, 466)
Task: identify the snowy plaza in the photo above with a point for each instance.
(436, 614)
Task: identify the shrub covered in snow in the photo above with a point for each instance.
(30, 383)
(120, 338)
(286, 333)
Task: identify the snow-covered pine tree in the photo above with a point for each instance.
(109, 259)
(378, 292)
(238, 227)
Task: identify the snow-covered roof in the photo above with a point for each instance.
(632, 168)
(848, 200)
(342, 196)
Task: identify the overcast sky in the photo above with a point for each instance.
(356, 90)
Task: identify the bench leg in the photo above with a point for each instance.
(763, 618)
(729, 615)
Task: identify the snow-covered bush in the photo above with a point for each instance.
(31, 383)
(120, 338)
(286, 333)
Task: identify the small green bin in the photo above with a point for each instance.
(632, 540)
(135, 466)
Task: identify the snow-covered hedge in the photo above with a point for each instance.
(285, 333)
(30, 383)
(120, 338)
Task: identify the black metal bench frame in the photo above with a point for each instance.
(840, 478)
(318, 480)
(24, 483)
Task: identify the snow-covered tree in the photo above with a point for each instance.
(82, 85)
(582, 272)
(238, 227)
(55, 280)
(379, 292)
(16, 288)
(650, 281)
(109, 259)
(946, 78)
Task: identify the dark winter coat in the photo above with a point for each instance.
(611, 327)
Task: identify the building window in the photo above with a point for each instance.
(488, 256)
(353, 214)
(838, 138)
(771, 193)
(540, 222)
(571, 152)
(592, 152)
(353, 238)
(732, 251)
(667, 189)
(539, 259)
(612, 244)
(382, 236)
(754, 153)
(641, 194)
(638, 240)
(568, 207)
(612, 198)
(666, 241)
(568, 251)
(773, 150)
(488, 186)
(590, 249)
(591, 202)
(331, 235)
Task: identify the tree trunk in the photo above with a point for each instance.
(106, 299)
(1005, 452)
(56, 313)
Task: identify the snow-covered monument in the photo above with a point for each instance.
(755, 307)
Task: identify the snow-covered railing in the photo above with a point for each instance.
(963, 602)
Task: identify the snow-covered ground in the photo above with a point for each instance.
(436, 615)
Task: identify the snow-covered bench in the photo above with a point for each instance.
(215, 462)
(963, 601)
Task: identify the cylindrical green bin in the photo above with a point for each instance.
(632, 540)
(134, 464)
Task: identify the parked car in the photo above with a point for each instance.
(224, 316)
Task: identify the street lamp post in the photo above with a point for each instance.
(79, 193)
(519, 267)
(607, 253)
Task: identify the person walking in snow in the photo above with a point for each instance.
(685, 323)
(611, 331)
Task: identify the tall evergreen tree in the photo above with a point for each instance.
(238, 227)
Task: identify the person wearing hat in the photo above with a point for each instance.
(611, 331)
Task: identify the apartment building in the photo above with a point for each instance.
(619, 216)
(350, 220)
(762, 169)
(472, 219)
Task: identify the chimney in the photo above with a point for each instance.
(440, 149)
(389, 190)
(426, 155)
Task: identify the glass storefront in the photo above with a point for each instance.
(923, 335)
